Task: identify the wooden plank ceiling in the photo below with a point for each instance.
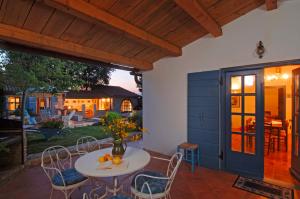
(134, 33)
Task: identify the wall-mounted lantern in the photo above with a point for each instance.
(260, 49)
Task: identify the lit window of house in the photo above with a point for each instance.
(42, 103)
(13, 103)
(105, 104)
(126, 106)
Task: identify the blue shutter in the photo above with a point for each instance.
(54, 101)
(31, 104)
(203, 115)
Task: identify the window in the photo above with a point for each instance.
(42, 103)
(105, 104)
(243, 114)
(126, 106)
(13, 103)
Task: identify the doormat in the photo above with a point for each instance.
(263, 188)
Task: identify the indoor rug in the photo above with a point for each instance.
(263, 188)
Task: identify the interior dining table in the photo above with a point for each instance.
(276, 125)
(133, 160)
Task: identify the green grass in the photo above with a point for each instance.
(37, 143)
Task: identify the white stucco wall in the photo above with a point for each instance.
(165, 87)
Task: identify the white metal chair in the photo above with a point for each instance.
(87, 144)
(150, 184)
(56, 162)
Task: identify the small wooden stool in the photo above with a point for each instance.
(191, 153)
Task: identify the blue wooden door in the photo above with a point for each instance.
(245, 123)
(295, 165)
(203, 115)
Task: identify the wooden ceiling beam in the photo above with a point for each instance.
(271, 4)
(28, 49)
(87, 11)
(197, 12)
(32, 39)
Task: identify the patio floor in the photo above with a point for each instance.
(32, 183)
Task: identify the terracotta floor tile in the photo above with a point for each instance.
(32, 183)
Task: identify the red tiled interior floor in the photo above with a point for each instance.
(277, 164)
(32, 183)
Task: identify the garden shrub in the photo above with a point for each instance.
(137, 118)
(53, 124)
(111, 116)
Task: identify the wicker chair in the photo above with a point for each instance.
(56, 162)
(151, 184)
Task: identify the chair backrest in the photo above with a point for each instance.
(87, 144)
(173, 167)
(85, 196)
(285, 125)
(96, 193)
(55, 159)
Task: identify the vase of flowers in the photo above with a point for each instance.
(119, 148)
(119, 129)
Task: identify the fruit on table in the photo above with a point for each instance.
(116, 160)
(102, 159)
(108, 156)
(105, 158)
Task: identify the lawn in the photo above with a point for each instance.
(37, 142)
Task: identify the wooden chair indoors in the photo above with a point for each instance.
(283, 134)
(269, 139)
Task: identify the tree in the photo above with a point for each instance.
(27, 72)
(138, 78)
(94, 76)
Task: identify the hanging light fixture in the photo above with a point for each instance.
(277, 75)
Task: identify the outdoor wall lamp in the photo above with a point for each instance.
(260, 49)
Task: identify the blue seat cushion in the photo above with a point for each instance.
(156, 185)
(120, 197)
(71, 176)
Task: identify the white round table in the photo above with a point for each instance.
(134, 159)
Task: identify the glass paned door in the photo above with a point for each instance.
(244, 122)
(295, 165)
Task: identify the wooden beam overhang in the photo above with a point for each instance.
(87, 11)
(32, 39)
(271, 4)
(27, 49)
(197, 12)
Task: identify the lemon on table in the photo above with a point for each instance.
(116, 160)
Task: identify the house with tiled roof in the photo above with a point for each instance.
(97, 101)
(88, 103)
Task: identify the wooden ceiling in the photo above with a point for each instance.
(134, 33)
